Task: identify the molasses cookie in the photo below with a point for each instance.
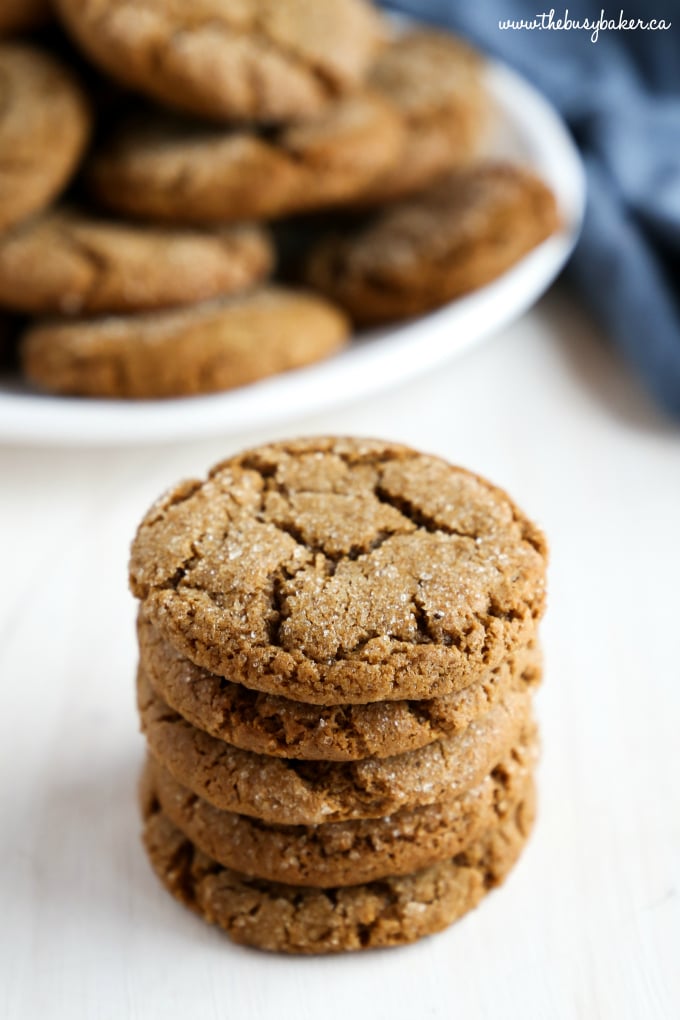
(295, 919)
(337, 571)
(419, 254)
(288, 791)
(276, 726)
(265, 60)
(44, 127)
(173, 170)
(66, 262)
(203, 348)
(347, 853)
(435, 82)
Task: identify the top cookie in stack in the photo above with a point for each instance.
(338, 646)
(252, 111)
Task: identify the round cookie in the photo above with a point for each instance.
(203, 348)
(291, 792)
(435, 82)
(172, 170)
(275, 726)
(20, 15)
(419, 254)
(264, 60)
(346, 853)
(337, 571)
(44, 128)
(294, 919)
(66, 262)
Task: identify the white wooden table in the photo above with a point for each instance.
(589, 923)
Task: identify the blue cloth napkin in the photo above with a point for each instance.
(620, 96)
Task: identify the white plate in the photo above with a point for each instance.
(534, 134)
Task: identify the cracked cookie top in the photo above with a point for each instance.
(67, 262)
(265, 60)
(339, 571)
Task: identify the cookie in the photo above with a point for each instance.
(203, 348)
(289, 791)
(435, 82)
(271, 725)
(44, 128)
(21, 15)
(171, 170)
(421, 253)
(337, 571)
(230, 59)
(294, 919)
(66, 262)
(346, 853)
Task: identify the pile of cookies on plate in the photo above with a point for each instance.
(338, 651)
(147, 148)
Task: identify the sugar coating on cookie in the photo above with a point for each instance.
(289, 791)
(416, 255)
(68, 262)
(45, 124)
(341, 571)
(292, 919)
(272, 725)
(350, 852)
(171, 169)
(266, 60)
(204, 348)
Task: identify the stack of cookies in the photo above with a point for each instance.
(338, 650)
(122, 229)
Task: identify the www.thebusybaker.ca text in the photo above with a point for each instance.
(546, 21)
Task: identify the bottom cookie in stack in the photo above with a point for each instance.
(390, 911)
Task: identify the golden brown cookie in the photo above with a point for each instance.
(66, 262)
(295, 919)
(204, 348)
(20, 15)
(173, 170)
(419, 254)
(282, 728)
(265, 60)
(435, 82)
(347, 853)
(291, 792)
(44, 127)
(338, 571)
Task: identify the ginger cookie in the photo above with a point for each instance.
(263, 60)
(44, 128)
(289, 791)
(338, 571)
(295, 919)
(419, 254)
(347, 853)
(21, 15)
(435, 82)
(203, 348)
(66, 262)
(174, 170)
(276, 726)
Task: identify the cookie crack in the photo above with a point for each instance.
(416, 515)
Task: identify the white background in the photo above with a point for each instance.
(588, 925)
